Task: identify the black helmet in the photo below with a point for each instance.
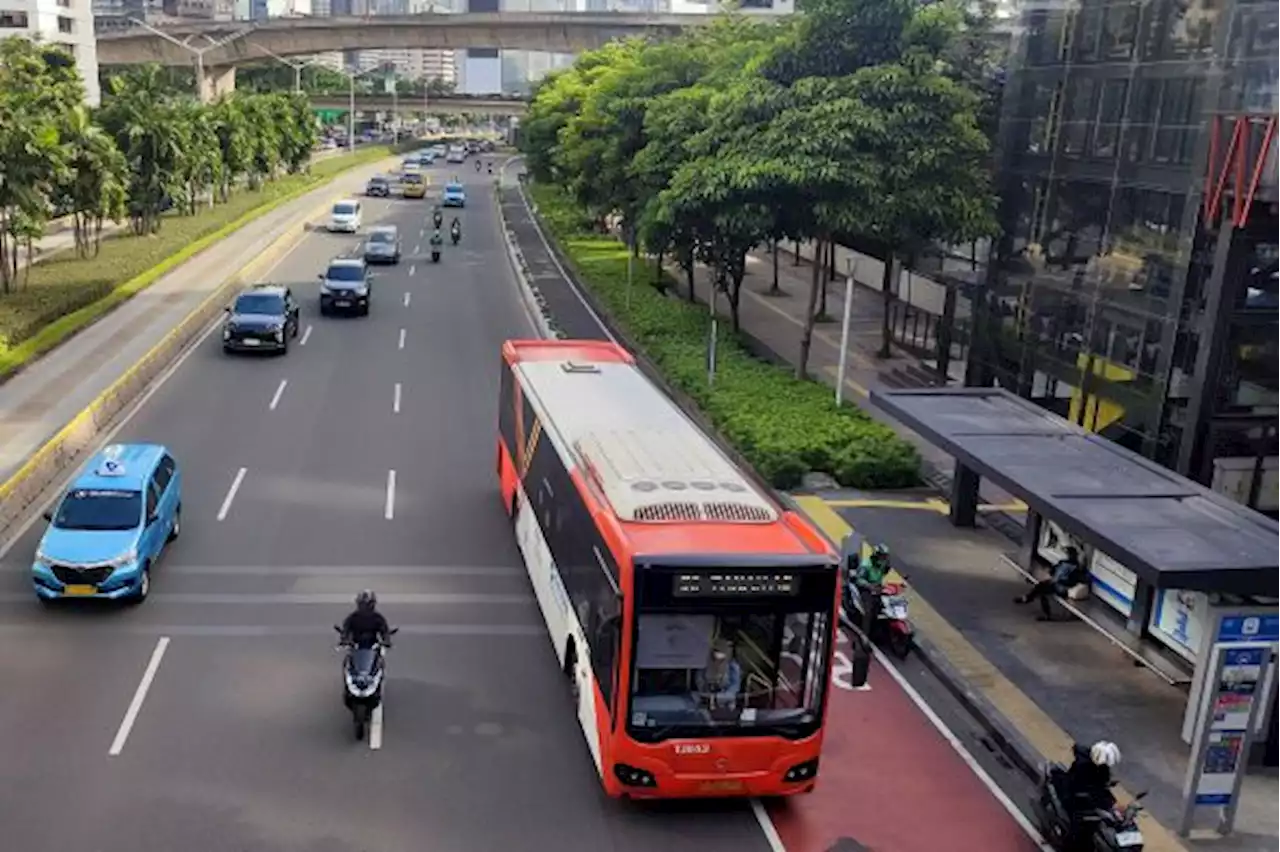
(366, 601)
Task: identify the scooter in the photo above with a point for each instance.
(363, 669)
(892, 626)
(1113, 830)
(435, 254)
(455, 235)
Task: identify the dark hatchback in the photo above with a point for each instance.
(262, 319)
(379, 187)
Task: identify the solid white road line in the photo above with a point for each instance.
(407, 296)
(306, 335)
(395, 402)
(231, 494)
(390, 511)
(412, 270)
(139, 696)
(766, 826)
(400, 345)
(275, 400)
(958, 747)
(375, 724)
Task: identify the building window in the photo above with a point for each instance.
(1181, 29)
(1180, 121)
(13, 20)
(66, 25)
(1249, 374)
(64, 4)
(1110, 109)
(1119, 31)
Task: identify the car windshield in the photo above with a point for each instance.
(260, 303)
(344, 209)
(454, 189)
(378, 181)
(92, 509)
(382, 237)
(345, 273)
(416, 180)
(709, 672)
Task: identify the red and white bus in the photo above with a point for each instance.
(648, 550)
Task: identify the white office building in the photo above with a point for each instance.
(65, 22)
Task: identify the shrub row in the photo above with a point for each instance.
(784, 426)
(65, 283)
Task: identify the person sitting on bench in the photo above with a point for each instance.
(1066, 574)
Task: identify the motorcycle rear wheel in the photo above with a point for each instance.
(900, 645)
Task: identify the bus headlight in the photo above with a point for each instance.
(633, 777)
(806, 771)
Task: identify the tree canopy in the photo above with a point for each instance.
(862, 117)
(149, 147)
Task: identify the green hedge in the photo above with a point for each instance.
(66, 283)
(784, 426)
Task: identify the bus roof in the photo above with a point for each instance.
(671, 488)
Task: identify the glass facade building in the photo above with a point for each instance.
(1134, 289)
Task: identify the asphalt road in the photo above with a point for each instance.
(368, 460)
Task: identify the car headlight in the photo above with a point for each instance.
(226, 333)
(127, 558)
(42, 557)
(279, 334)
(326, 289)
(362, 291)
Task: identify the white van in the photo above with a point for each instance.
(345, 217)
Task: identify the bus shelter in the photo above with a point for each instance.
(1175, 560)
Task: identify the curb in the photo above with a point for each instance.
(27, 486)
(533, 302)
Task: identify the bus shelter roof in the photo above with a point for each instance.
(1172, 532)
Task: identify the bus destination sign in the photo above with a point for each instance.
(735, 584)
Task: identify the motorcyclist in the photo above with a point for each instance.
(477, 165)
(437, 216)
(868, 579)
(455, 229)
(1086, 785)
(366, 625)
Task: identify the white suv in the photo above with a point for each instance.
(345, 217)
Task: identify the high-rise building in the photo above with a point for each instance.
(63, 22)
(1134, 289)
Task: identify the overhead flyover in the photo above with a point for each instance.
(433, 105)
(228, 44)
(1171, 532)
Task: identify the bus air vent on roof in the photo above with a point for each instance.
(575, 367)
(670, 476)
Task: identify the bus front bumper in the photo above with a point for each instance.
(654, 781)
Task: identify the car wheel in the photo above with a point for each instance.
(226, 349)
(284, 346)
(364, 312)
(324, 312)
(177, 524)
(144, 586)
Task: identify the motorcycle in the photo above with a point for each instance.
(892, 626)
(437, 219)
(435, 253)
(455, 235)
(363, 669)
(491, 168)
(1112, 830)
(477, 165)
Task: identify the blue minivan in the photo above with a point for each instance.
(108, 530)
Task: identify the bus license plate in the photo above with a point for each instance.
(722, 787)
(80, 591)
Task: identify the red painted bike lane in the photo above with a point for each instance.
(891, 782)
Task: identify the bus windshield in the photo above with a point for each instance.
(726, 671)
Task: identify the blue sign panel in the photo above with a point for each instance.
(1249, 628)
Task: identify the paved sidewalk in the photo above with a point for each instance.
(40, 400)
(1055, 682)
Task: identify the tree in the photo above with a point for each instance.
(235, 143)
(38, 88)
(297, 130)
(265, 139)
(93, 186)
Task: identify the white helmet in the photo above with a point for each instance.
(1104, 753)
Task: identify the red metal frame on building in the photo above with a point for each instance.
(1241, 161)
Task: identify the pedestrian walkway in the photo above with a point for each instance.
(40, 400)
(1055, 682)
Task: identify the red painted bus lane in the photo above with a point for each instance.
(890, 782)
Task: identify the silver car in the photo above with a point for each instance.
(383, 245)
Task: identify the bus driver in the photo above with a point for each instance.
(719, 682)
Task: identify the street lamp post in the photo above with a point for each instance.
(196, 52)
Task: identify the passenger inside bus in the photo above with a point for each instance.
(707, 669)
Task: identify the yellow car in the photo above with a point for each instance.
(413, 186)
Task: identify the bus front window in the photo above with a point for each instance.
(707, 674)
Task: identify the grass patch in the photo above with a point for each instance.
(784, 426)
(65, 293)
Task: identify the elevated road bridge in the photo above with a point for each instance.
(217, 48)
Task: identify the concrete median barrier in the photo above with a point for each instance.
(24, 491)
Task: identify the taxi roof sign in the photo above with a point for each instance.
(111, 464)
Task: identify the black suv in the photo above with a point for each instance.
(378, 186)
(261, 319)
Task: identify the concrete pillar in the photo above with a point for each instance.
(1144, 596)
(964, 496)
(1030, 540)
(217, 81)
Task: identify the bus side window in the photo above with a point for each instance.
(604, 655)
